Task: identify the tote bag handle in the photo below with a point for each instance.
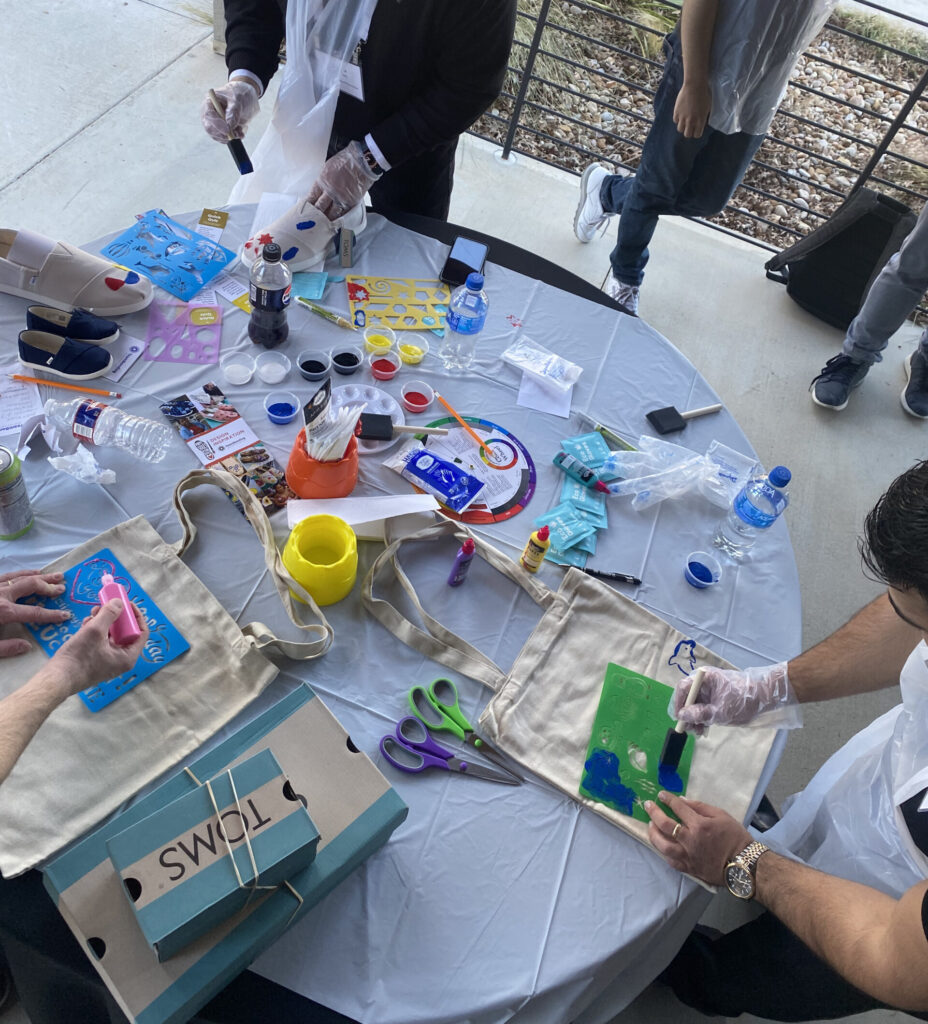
(436, 641)
(257, 633)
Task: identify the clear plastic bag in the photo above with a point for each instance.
(539, 362)
(320, 38)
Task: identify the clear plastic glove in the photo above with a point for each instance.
(344, 179)
(239, 100)
(738, 697)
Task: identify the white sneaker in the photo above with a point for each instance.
(624, 294)
(590, 215)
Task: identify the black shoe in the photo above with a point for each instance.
(839, 376)
(915, 396)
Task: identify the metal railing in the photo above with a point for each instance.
(578, 65)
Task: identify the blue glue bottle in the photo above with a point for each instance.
(462, 562)
(578, 471)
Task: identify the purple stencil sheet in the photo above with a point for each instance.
(175, 336)
(81, 589)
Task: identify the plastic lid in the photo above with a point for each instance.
(106, 578)
(271, 253)
(543, 532)
(779, 476)
(475, 281)
(468, 547)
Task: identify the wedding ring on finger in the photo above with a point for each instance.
(676, 829)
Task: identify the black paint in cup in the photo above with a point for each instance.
(346, 361)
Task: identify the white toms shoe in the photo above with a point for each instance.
(57, 274)
(303, 234)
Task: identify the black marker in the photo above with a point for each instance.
(619, 577)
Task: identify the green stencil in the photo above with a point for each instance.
(621, 768)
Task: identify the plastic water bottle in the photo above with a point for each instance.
(756, 507)
(101, 424)
(467, 313)
(269, 295)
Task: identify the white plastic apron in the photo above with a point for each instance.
(292, 150)
(847, 821)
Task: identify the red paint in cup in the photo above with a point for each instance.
(417, 396)
(384, 368)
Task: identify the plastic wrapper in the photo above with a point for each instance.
(451, 485)
(544, 365)
(758, 697)
(82, 466)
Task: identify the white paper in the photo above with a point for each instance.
(534, 395)
(364, 515)
(125, 350)
(204, 297)
(229, 287)
(222, 441)
(20, 402)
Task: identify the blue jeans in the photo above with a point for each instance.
(896, 291)
(676, 175)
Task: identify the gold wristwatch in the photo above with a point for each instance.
(739, 873)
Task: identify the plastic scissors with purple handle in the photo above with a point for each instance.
(439, 708)
(413, 750)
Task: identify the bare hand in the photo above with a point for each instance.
(16, 585)
(90, 657)
(691, 110)
(706, 840)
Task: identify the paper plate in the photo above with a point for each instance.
(377, 402)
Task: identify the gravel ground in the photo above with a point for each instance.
(601, 110)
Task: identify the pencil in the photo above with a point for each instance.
(64, 387)
(482, 446)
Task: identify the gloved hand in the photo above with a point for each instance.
(239, 99)
(737, 697)
(345, 178)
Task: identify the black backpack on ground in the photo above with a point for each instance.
(829, 272)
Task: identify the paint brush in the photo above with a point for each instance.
(669, 419)
(675, 740)
(457, 416)
(334, 318)
(374, 426)
(236, 146)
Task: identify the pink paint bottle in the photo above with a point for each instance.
(125, 630)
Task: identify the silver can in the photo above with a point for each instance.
(15, 509)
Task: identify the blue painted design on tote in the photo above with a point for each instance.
(684, 657)
(132, 277)
(601, 779)
(291, 252)
(305, 225)
(669, 778)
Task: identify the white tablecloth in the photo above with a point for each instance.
(490, 903)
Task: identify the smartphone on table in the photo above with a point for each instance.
(466, 257)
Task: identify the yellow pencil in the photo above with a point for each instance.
(63, 386)
(475, 436)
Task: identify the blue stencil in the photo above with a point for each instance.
(175, 258)
(81, 595)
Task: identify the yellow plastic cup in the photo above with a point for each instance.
(413, 350)
(321, 554)
(379, 339)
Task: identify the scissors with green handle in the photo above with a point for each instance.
(438, 707)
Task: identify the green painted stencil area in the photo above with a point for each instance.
(622, 761)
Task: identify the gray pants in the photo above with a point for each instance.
(896, 291)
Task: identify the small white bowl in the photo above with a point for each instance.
(272, 366)
(237, 367)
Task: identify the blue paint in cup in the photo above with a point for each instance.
(701, 570)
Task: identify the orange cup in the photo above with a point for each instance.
(310, 478)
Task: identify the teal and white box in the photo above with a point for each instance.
(187, 868)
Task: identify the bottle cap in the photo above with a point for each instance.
(106, 578)
(543, 532)
(475, 281)
(271, 253)
(468, 547)
(780, 476)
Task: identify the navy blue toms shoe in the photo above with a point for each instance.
(64, 357)
(77, 324)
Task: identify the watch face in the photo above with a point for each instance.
(739, 880)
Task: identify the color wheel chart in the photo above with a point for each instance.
(508, 471)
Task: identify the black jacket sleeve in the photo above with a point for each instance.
(254, 30)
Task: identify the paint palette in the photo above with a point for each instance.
(621, 768)
(377, 401)
(81, 587)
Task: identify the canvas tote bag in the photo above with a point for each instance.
(542, 710)
(81, 765)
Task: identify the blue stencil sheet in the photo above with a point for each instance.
(173, 257)
(81, 595)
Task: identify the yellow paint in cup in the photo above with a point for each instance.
(413, 352)
(321, 554)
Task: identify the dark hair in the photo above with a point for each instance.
(894, 547)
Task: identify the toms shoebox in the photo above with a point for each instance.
(189, 866)
(348, 799)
